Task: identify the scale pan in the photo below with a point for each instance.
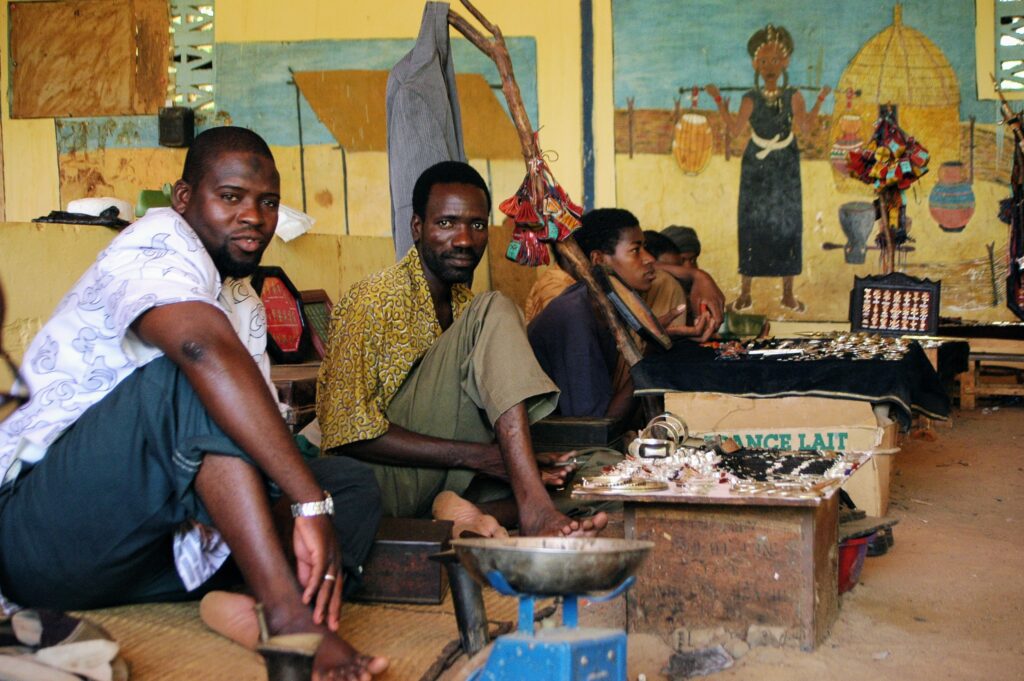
(553, 566)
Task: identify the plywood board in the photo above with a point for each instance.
(88, 57)
(152, 19)
(351, 103)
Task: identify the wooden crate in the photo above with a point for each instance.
(296, 388)
(732, 566)
(398, 569)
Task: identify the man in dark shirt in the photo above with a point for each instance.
(570, 339)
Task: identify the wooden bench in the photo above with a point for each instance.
(988, 353)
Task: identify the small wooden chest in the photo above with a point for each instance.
(565, 433)
(296, 388)
(398, 569)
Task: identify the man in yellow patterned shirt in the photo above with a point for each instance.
(434, 388)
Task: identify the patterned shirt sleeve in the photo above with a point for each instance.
(149, 270)
(349, 403)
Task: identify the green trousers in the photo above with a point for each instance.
(478, 369)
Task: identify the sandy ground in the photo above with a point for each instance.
(947, 600)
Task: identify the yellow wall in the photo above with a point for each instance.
(652, 186)
(325, 259)
(314, 261)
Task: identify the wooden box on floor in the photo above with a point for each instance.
(399, 569)
(733, 566)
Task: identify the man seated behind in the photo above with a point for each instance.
(675, 250)
(570, 337)
(671, 265)
(152, 447)
(421, 377)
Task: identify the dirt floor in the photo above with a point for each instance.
(946, 601)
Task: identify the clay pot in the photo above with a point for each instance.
(848, 142)
(951, 202)
(857, 219)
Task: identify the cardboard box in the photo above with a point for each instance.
(869, 485)
(792, 423)
(796, 423)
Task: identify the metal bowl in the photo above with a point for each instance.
(553, 566)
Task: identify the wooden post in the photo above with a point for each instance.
(494, 47)
(888, 198)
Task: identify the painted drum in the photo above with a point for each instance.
(951, 202)
(692, 143)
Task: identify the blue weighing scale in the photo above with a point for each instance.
(535, 567)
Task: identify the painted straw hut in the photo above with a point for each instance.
(901, 67)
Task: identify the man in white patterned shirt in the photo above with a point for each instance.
(152, 446)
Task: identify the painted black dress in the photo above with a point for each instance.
(770, 206)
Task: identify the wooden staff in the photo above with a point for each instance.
(494, 47)
(888, 199)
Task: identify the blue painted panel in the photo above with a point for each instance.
(253, 89)
(661, 45)
(252, 78)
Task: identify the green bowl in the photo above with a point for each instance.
(736, 325)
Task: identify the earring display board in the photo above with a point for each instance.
(317, 306)
(895, 304)
(288, 340)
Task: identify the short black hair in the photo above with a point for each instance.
(445, 172)
(602, 228)
(211, 143)
(657, 244)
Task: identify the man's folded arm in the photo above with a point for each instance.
(199, 339)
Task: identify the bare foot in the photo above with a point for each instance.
(234, 616)
(791, 302)
(335, 659)
(466, 516)
(551, 523)
(742, 303)
(231, 615)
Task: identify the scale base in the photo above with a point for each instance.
(557, 654)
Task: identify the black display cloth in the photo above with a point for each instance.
(953, 357)
(909, 385)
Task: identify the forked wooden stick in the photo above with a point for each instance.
(495, 48)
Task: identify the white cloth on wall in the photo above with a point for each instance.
(423, 117)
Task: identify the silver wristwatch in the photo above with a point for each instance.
(314, 508)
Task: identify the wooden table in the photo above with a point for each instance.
(733, 561)
(1006, 352)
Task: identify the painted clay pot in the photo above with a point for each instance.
(951, 202)
(857, 219)
(692, 143)
(848, 141)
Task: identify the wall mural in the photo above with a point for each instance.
(770, 234)
(341, 185)
(761, 171)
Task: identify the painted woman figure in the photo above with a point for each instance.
(770, 203)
